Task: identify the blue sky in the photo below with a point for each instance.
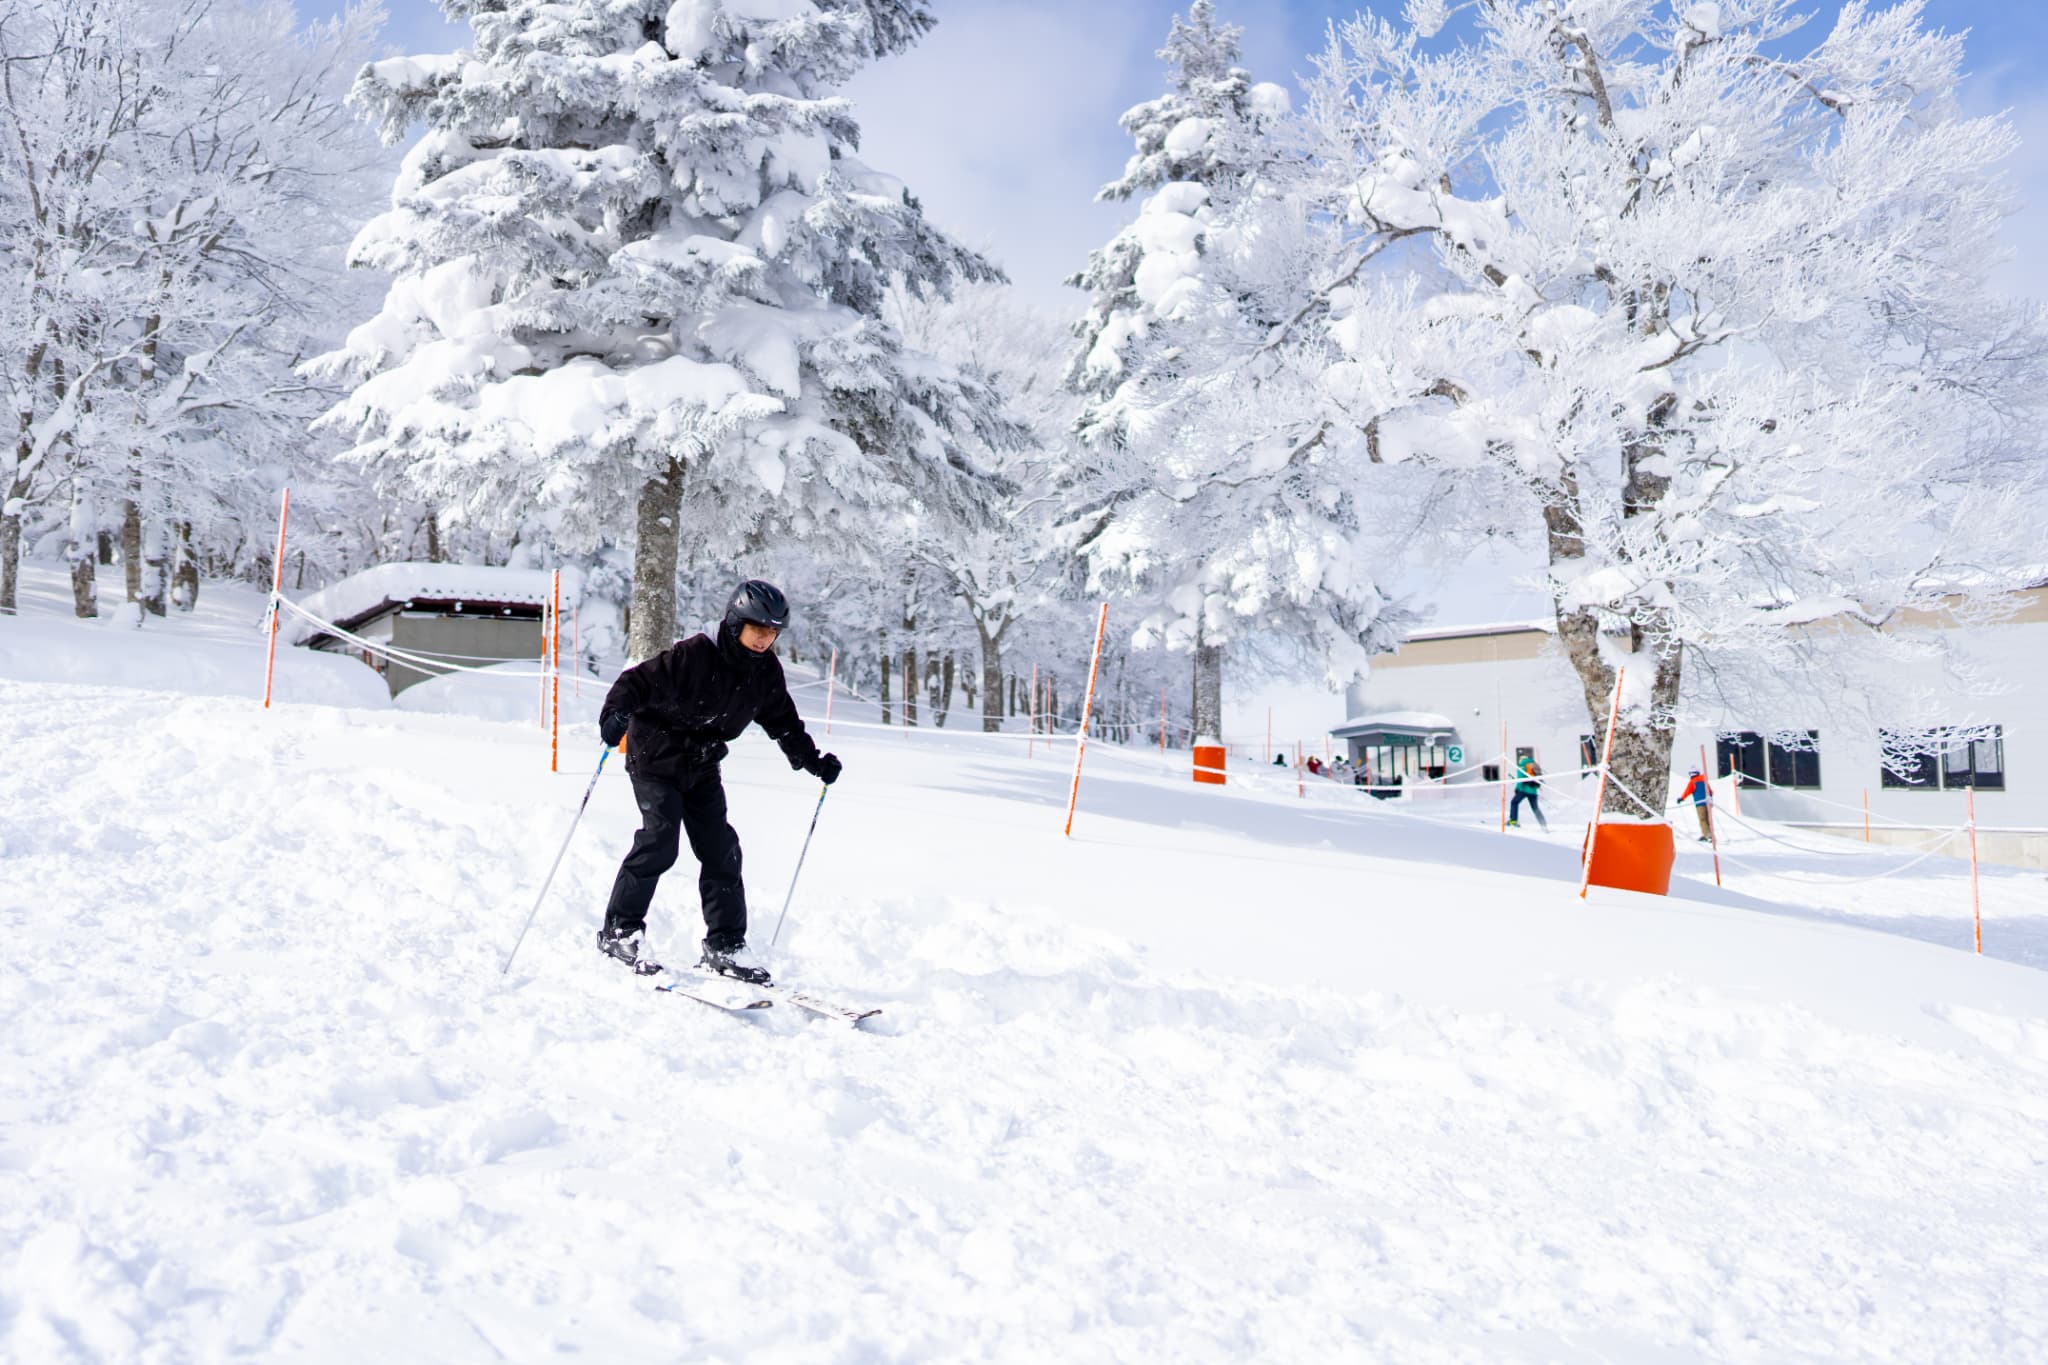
(1003, 121)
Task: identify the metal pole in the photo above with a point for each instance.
(555, 683)
(1976, 908)
(1713, 825)
(549, 881)
(801, 854)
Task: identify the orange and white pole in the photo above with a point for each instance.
(1600, 797)
(831, 683)
(1087, 705)
(284, 513)
(1976, 910)
(1300, 789)
(1866, 815)
(555, 681)
(1031, 715)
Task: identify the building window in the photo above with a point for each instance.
(1761, 763)
(1946, 758)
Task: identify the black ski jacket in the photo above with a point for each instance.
(689, 700)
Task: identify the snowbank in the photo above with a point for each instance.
(1228, 1075)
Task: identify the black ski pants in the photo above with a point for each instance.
(696, 807)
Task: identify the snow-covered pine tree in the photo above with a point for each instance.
(638, 274)
(1198, 142)
(997, 556)
(1220, 486)
(1706, 316)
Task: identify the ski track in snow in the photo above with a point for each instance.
(266, 1094)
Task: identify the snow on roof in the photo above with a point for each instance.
(1398, 720)
(362, 595)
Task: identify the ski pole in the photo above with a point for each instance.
(822, 791)
(557, 862)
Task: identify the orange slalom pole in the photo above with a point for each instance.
(1087, 705)
(555, 682)
(831, 682)
(1976, 910)
(1713, 825)
(1600, 798)
(284, 513)
(1866, 814)
(1300, 789)
(1031, 714)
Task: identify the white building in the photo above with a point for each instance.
(1434, 711)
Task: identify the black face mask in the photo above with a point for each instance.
(730, 646)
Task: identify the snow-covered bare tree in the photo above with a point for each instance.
(996, 553)
(173, 174)
(1222, 487)
(639, 274)
(1700, 307)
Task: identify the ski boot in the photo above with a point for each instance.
(626, 948)
(737, 962)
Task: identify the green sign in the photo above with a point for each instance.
(1456, 754)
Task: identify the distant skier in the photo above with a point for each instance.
(1697, 792)
(1528, 788)
(678, 710)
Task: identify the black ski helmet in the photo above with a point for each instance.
(758, 602)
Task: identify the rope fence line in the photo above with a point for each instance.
(421, 663)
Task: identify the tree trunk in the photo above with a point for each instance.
(909, 677)
(992, 680)
(131, 540)
(1641, 761)
(10, 551)
(658, 523)
(944, 705)
(155, 570)
(84, 545)
(185, 571)
(1208, 695)
(888, 664)
(435, 554)
(1642, 739)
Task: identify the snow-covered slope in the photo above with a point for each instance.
(1226, 1076)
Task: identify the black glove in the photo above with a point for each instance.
(611, 727)
(825, 767)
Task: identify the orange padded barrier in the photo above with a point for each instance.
(1208, 757)
(1633, 857)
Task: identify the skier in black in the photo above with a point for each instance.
(677, 710)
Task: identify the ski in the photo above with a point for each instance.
(824, 1009)
(734, 997)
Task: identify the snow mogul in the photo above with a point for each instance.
(678, 710)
